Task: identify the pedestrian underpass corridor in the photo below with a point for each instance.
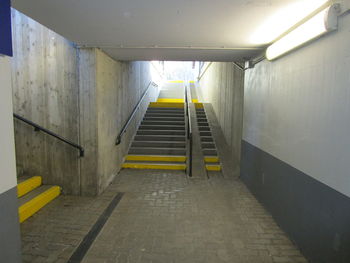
(174, 131)
(162, 217)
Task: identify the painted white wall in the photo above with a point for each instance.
(7, 144)
(297, 108)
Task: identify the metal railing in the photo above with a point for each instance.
(40, 128)
(128, 121)
(189, 132)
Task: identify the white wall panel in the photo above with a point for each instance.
(297, 108)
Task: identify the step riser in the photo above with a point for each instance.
(209, 152)
(159, 138)
(164, 119)
(208, 146)
(163, 115)
(156, 127)
(205, 133)
(157, 151)
(162, 123)
(160, 132)
(153, 167)
(159, 144)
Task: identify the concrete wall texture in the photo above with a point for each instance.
(45, 81)
(108, 94)
(10, 247)
(80, 94)
(222, 85)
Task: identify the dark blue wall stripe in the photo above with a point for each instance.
(315, 216)
(5, 28)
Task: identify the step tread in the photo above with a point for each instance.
(32, 202)
(160, 166)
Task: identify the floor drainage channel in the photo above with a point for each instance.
(90, 237)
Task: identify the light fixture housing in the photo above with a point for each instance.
(321, 23)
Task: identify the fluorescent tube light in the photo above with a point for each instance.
(321, 23)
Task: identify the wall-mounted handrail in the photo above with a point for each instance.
(201, 74)
(189, 132)
(39, 128)
(128, 121)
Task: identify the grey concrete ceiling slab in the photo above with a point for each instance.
(218, 30)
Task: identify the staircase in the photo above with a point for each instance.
(160, 142)
(33, 195)
(211, 159)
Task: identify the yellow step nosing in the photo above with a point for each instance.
(32, 206)
(213, 167)
(170, 100)
(164, 158)
(154, 166)
(179, 105)
(211, 159)
(28, 185)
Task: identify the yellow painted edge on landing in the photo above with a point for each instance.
(194, 100)
(155, 158)
(166, 105)
(28, 185)
(155, 166)
(31, 207)
(170, 100)
(192, 81)
(175, 81)
(199, 105)
(213, 159)
(211, 167)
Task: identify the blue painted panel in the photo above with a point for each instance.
(5, 28)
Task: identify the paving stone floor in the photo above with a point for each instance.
(163, 217)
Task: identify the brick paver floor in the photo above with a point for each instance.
(163, 217)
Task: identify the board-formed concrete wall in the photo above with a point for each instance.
(80, 94)
(114, 88)
(222, 85)
(45, 91)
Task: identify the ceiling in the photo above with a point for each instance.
(207, 30)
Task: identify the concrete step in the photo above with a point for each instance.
(159, 138)
(155, 166)
(179, 105)
(211, 159)
(163, 115)
(158, 144)
(156, 158)
(33, 201)
(164, 119)
(207, 139)
(165, 110)
(208, 145)
(205, 133)
(162, 132)
(210, 152)
(163, 127)
(157, 151)
(27, 184)
(213, 167)
(159, 123)
(202, 120)
(203, 124)
(204, 128)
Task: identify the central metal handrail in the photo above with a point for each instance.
(189, 132)
(39, 128)
(128, 121)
